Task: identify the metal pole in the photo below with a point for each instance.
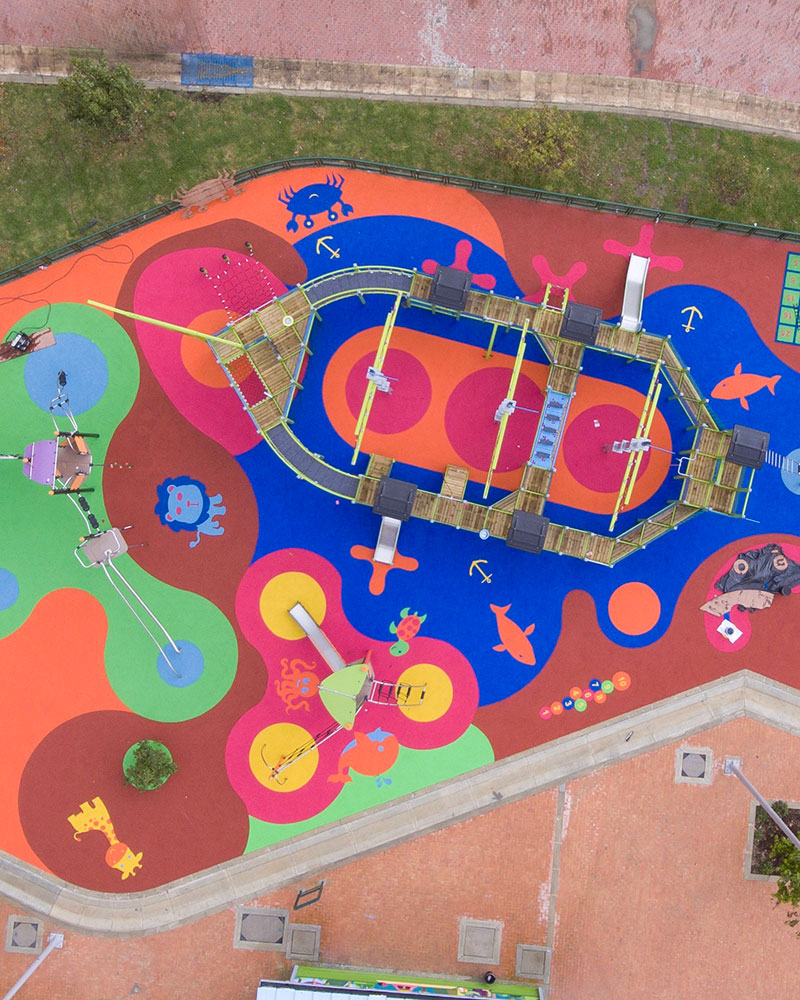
(732, 767)
(54, 941)
(167, 326)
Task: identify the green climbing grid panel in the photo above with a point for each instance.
(789, 316)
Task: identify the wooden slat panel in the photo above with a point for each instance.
(601, 550)
(569, 354)
(379, 466)
(296, 305)
(651, 347)
(423, 504)
(421, 287)
(548, 322)
(266, 413)
(695, 493)
(531, 503)
(730, 475)
(498, 522)
(562, 380)
(247, 329)
(722, 500)
(575, 543)
(536, 480)
(702, 467)
(473, 517)
(455, 481)
(498, 309)
(367, 491)
(713, 442)
(448, 511)
(507, 502)
(476, 303)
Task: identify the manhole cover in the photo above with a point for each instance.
(263, 927)
(694, 765)
(24, 935)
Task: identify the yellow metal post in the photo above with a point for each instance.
(369, 395)
(167, 326)
(501, 430)
(635, 458)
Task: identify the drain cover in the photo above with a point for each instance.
(694, 765)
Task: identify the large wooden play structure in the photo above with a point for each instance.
(275, 339)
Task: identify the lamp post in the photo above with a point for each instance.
(731, 766)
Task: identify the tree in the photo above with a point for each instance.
(104, 97)
(787, 858)
(147, 765)
(540, 142)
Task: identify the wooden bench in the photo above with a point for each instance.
(199, 197)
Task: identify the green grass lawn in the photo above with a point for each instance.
(57, 179)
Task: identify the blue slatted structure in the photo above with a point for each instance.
(209, 69)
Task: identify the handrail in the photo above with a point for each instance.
(414, 173)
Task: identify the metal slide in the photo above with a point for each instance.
(318, 638)
(634, 293)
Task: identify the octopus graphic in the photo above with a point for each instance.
(298, 683)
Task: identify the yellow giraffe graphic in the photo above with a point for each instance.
(95, 817)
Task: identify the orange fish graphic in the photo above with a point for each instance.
(368, 753)
(740, 385)
(514, 640)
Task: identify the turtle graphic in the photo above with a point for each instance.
(407, 629)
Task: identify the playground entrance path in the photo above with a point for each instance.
(641, 858)
(514, 650)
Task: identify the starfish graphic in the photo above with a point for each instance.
(547, 276)
(644, 249)
(377, 581)
(460, 260)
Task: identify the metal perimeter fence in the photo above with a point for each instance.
(413, 173)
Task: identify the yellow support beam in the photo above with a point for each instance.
(168, 326)
(369, 394)
(635, 458)
(501, 430)
(639, 454)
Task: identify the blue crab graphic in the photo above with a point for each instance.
(313, 199)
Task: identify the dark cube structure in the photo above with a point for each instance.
(450, 288)
(581, 323)
(748, 447)
(394, 498)
(528, 531)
